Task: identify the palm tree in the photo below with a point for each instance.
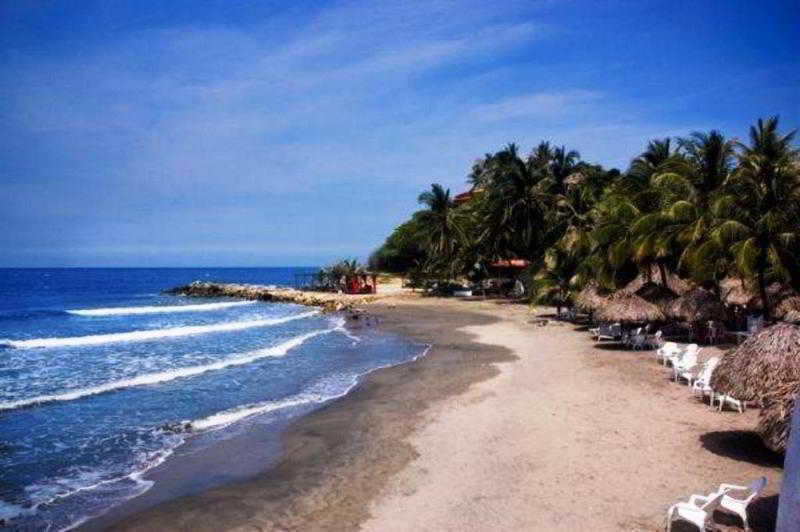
(760, 209)
(558, 280)
(631, 233)
(563, 165)
(681, 227)
(440, 223)
(513, 208)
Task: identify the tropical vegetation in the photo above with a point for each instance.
(705, 208)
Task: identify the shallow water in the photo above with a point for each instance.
(102, 378)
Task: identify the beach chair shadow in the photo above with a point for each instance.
(741, 445)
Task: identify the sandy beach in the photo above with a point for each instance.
(504, 425)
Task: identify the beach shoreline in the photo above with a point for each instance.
(480, 434)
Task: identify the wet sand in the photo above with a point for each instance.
(504, 425)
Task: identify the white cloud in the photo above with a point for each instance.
(539, 105)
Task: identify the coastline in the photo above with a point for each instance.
(321, 449)
(440, 443)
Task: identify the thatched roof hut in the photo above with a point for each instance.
(765, 368)
(734, 292)
(590, 299)
(787, 307)
(775, 418)
(674, 283)
(760, 364)
(629, 308)
(696, 305)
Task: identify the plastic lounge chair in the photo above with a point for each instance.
(666, 351)
(612, 332)
(701, 384)
(638, 341)
(723, 399)
(654, 341)
(739, 506)
(686, 351)
(699, 511)
(681, 369)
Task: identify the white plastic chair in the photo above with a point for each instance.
(723, 399)
(700, 515)
(654, 341)
(739, 506)
(669, 349)
(688, 350)
(701, 384)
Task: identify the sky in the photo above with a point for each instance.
(258, 133)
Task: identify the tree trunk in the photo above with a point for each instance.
(663, 271)
(762, 289)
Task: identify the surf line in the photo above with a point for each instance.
(166, 376)
(140, 336)
(124, 311)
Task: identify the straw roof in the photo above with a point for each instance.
(790, 305)
(734, 292)
(766, 368)
(674, 283)
(695, 305)
(737, 292)
(629, 308)
(590, 299)
(775, 418)
(760, 364)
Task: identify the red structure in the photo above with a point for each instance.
(463, 197)
(360, 283)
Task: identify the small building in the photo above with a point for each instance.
(359, 283)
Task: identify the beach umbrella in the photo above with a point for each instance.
(629, 308)
(696, 305)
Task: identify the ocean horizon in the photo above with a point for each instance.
(103, 377)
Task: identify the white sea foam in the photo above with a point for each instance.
(319, 393)
(122, 311)
(165, 376)
(313, 396)
(140, 336)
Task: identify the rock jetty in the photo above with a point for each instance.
(328, 301)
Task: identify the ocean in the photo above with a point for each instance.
(103, 378)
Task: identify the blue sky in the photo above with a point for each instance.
(181, 133)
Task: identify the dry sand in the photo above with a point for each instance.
(505, 425)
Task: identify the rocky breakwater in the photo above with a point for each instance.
(328, 301)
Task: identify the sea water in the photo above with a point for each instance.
(102, 378)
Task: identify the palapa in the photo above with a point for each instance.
(590, 299)
(653, 276)
(788, 309)
(629, 308)
(696, 305)
(734, 292)
(764, 368)
(775, 418)
(760, 363)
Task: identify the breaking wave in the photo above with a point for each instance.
(165, 376)
(124, 311)
(140, 336)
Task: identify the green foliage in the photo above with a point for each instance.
(702, 207)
